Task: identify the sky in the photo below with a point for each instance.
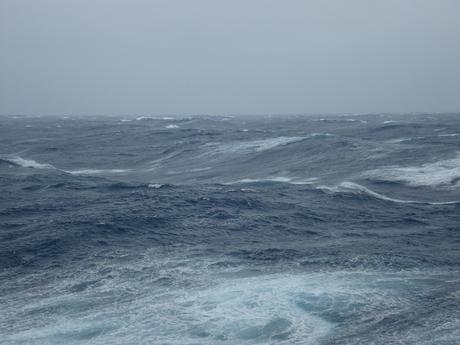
(228, 56)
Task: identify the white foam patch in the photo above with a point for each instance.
(172, 126)
(255, 310)
(28, 163)
(444, 173)
(155, 185)
(179, 298)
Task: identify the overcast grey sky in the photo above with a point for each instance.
(228, 56)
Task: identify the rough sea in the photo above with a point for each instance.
(211, 230)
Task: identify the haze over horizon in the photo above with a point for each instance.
(228, 57)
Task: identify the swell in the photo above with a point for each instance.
(441, 173)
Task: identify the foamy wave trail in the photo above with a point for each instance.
(277, 179)
(98, 171)
(164, 118)
(263, 144)
(30, 163)
(449, 135)
(351, 187)
(443, 173)
(26, 163)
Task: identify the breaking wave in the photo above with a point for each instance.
(357, 188)
(97, 171)
(230, 231)
(444, 173)
(26, 163)
(263, 144)
(279, 179)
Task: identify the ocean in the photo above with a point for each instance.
(210, 230)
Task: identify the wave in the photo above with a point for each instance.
(26, 163)
(277, 179)
(155, 185)
(164, 118)
(351, 187)
(419, 138)
(449, 135)
(341, 120)
(97, 171)
(30, 163)
(262, 144)
(444, 173)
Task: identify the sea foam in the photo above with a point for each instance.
(359, 189)
(27, 163)
(97, 171)
(443, 173)
(262, 144)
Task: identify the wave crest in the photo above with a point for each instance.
(444, 173)
(263, 144)
(351, 187)
(27, 163)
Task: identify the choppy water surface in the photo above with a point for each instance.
(227, 230)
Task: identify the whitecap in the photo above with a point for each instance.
(281, 179)
(155, 185)
(269, 179)
(341, 120)
(352, 187)
(27, 163)
(140, 118)
(172, 126)
(97, 171)
(443, 173)
(449, 135)
(199, 169)
(399, 140)
(262, 144)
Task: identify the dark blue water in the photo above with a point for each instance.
(223, 230)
